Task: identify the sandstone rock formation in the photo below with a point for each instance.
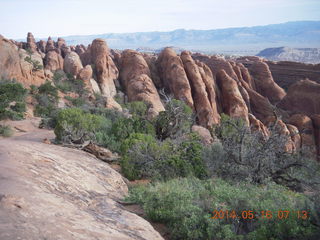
(305, 126)
(302, 97)
(212, 90)
(257, 125)
(42, 46)
(50, 45)
(204, 134)
(14, 66)
(31, 43)
(52, 192)
(173, 76)
(53, 61)
(72, 64)
(200, 96)
(295, 136)
(105, 68)
(135, 76)
(85, 74)
(233, 103)
(105, 71)
(264, 82)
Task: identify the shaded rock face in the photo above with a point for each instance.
(46, 195)
(257, 125)
(305, 127)
(216, 64)
(212, 90)
(295, 136)
(42, 46)
(14, 66)
(302, 97)
(72, 64)
(135, 77)
(199, 92)
(233, 103)
(85, 74)
(264, 82)
(173, 76)
(282, 130)
(53, 61)
(152, 64)
(105, 68)
(288, 73)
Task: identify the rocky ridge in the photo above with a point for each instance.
(243, 88)
(211, 85)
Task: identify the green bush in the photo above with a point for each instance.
(186, 206)
(137, 108)
(6, 131)
(146, 157)
(47, 107)
(76, 102)
(67, 83)
(49, 90)
(12, 100)
(76, 126)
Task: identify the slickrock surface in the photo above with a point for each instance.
(56, 193)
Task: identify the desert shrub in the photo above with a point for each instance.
(47, 107)
(175, 121)
(110, 114)
(76, 102)
(12, 97)
(146, 157)
(186, 205)
(49, 90)
(137, 108)
(67, 83)
(5, 131)
(33, 89)
(120, 129)
(245, 155)
(76, 126)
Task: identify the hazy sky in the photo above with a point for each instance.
(83, 17)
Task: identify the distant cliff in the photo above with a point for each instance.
(305, 55)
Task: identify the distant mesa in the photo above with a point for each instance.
(305, 55)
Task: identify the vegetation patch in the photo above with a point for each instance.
(12, 100)
(186, 206)
(5, 131)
